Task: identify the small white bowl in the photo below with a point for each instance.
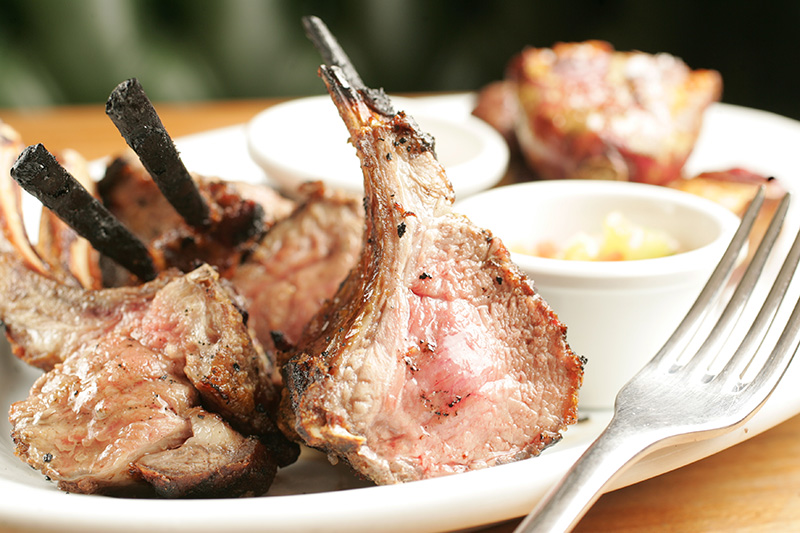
(618, 313)
(305, 139)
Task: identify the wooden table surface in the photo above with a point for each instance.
(753, 486)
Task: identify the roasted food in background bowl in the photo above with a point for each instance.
(585, 110)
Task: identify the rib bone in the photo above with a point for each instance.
(136, 119)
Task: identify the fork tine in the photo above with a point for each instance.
(780, 357)
(766, 315)
(733, 309)
(715, 283)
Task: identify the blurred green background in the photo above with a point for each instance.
(76, 51)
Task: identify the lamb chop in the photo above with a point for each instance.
(308, 247)
(284, 273)
(436, 355)
(136, 366)
(154, 388)
(207, 221)
(284, 276)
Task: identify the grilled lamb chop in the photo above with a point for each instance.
(154, 388)
(284, 277)
(136, 365)
(436, 355)
(588, 111)
(127, 369)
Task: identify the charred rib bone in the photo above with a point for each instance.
(333, 55)
(134, 115)
(38, 172)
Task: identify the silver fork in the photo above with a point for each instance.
(675, 398)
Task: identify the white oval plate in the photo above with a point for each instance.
(315, 496)
(304, 140)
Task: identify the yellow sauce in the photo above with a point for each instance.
(619, 240)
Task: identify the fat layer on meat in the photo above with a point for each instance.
(436, 356)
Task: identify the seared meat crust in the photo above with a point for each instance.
(236, 223)
(215, 459)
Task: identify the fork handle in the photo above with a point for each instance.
(568, 500)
